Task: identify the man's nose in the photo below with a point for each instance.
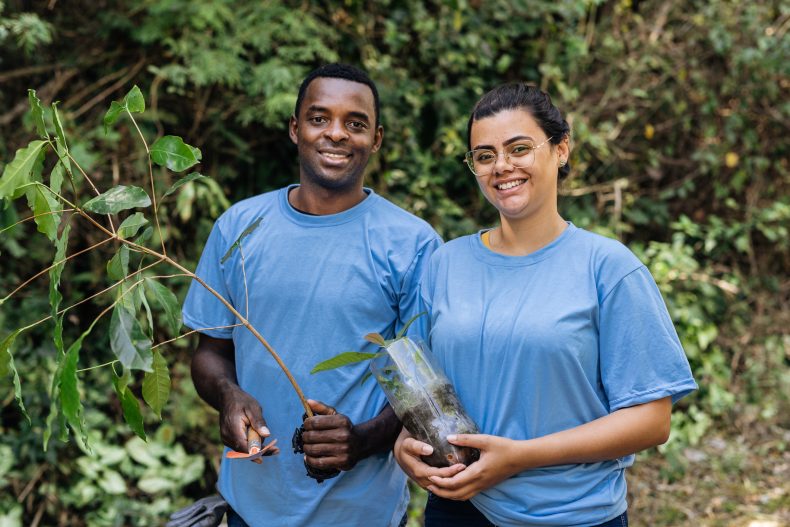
(336, 131)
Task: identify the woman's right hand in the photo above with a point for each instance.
(407, 452)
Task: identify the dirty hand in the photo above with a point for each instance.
(330, 439)
(239, 411)
(407, 452)
(498, 461)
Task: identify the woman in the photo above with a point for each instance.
(557, 340)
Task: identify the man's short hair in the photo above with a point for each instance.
(339, 71)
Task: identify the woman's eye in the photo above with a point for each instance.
(520, 150)
(483, 157)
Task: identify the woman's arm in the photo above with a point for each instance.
(621, 433)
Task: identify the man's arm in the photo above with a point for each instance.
(332, 441)
(214, 377)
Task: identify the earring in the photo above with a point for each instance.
(562, 163)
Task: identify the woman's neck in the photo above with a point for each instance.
(525, 236)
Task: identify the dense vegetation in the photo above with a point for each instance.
(679, 112)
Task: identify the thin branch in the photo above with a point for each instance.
(44, 271)
(34, 217)
(90, 182)
(103, 95)
(151, 177)
(97, 367)
(244, 276)
(188, 333)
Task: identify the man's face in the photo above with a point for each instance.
(335, 133)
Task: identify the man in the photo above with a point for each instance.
(329, 262)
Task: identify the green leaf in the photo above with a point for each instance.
(70, 400)
(44, 205)
(117, 199)
(61, 145)
(375, 338)
(156, 385)
(19, 172)
(183, 181)
(128, 341)
(140, 294)
(7, 366)
(38, 114)
(344, 359)
(54, 282)
(118, 266)
(133, 102)
(408, 323)
(145, 236)
(169, 302)
(244, 234)
(171, 151)
(130, 405)
(131, 225)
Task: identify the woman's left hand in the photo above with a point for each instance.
(498, 461)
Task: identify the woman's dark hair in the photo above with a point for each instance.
(519, 95)
(339, 71)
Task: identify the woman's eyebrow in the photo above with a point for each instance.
(506, 143)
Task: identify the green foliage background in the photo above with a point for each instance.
(679, 112)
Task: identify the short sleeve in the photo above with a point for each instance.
(641, 357)
(410, 303)
(202, 309)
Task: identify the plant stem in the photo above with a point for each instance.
(188, 333)
(34, 217)
(88, 179)
(97, 367)
(151, 177)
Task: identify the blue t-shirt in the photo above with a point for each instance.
(316, 286)
(542, 343)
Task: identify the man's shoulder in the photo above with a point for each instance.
(248, 210)
(390, 214)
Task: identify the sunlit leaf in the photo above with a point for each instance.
(133, 102)
(130, 405)
(183, 181)
(19, 171)
(169, 302)
(38, 114)
(344, 359)
(172, 152)
(237, 243)
(128, 341)
(131, 225)
(60, 139)
(156, 385)
(117, 199)
(118, 266)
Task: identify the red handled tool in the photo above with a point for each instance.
(255, 448)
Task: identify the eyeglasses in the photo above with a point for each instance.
(521, 155)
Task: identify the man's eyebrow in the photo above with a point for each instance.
(322, 109)
(506, 143)
(359, 115)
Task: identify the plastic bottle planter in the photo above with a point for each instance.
(424, 400)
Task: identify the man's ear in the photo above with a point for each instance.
(379, 137)
(293, 126)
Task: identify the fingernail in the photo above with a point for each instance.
(452, 437)
(427, 450)
(265, 431)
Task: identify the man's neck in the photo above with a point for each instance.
(320, 201)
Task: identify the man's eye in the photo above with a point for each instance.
(521, 150)
(317, 119)
(359, 125)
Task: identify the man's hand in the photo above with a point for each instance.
(330, 439)
(408, 452)
(239, 411)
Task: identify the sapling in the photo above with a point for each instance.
(419, 393)
(131, 341)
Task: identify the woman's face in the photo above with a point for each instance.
(518, 192)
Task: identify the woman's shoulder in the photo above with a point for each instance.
(609, 259)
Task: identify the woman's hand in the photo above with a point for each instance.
(498, 461)
(407, 452)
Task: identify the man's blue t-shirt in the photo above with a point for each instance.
(542, 343)
(316, 285)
